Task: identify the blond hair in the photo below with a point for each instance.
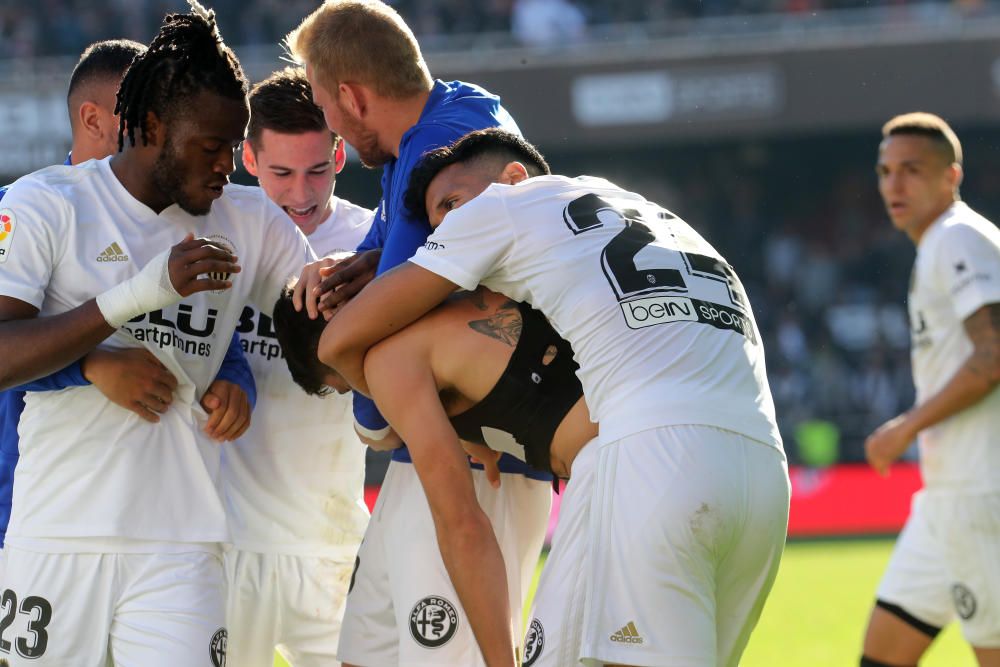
(923, 124)
(361, 41)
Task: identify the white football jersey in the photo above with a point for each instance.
(294, 483)
(956, 272)
(658, 321)
(89, 468)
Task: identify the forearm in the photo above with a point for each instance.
(465, 537)
(386, 305)
(47, 344)
(966, 388)
(73, 375)
(407, 394)
(236, 369)
(475, 564)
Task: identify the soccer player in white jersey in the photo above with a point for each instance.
(668, 554)
(294, 484)
(945, 564)
(113, 549)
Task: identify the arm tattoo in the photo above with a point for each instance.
(983, 328)
(477, 299)
(504, 324)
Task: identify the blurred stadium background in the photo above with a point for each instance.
(756, 120)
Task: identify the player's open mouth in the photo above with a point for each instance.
(217, 190)
(300, 213)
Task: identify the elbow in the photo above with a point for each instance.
(334, 350)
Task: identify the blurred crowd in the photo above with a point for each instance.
(65, 27)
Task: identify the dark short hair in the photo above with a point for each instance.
(492, 147)
(187, 57)
(283, 103)
(299, 337)
(104, 61)
(923, 124)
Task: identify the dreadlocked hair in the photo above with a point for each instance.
(186, 57)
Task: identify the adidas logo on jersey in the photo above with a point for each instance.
(113, 253)
(627, 635)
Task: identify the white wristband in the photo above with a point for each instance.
(148, 290)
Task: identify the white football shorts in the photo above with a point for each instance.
(667, 545)
(945, 564)
(290, 603)
(126, 610)
(402, 608)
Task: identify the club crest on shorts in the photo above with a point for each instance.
(534, 642)
(965, 601)
(217, 647)
(433, 622)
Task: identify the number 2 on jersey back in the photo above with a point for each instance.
(675, 283)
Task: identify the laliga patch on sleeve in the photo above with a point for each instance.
(8, 223)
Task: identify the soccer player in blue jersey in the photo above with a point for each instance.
(132, 378)
(369, 76)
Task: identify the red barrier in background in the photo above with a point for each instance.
(848, 499)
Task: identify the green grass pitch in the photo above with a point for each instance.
(817, 612)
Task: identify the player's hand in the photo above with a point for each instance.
(888, 443)
(342, 281)
(305, 294)
(198, 265)
(228, 411)
(133, 378)
(486, 457)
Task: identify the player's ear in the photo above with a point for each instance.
(513, 173)
(156, 130)
(339, 156)
(353, 99)
(89, 118)
(249, 159)
(955, 175)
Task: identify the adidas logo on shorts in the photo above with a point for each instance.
(113, 253)
(627, 635)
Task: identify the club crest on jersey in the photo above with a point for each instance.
(534, 642)
(226, 244)
(8, 224)
(433, 622)
(965, 601)
(217, 648)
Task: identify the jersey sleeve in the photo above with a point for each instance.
(968, 268)
(71, 376)
(236, 369)
(409, 229)
(470, 243)
(375, 238)
(284, 253)
(31, 222)
(402, 243)
(367, 419)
